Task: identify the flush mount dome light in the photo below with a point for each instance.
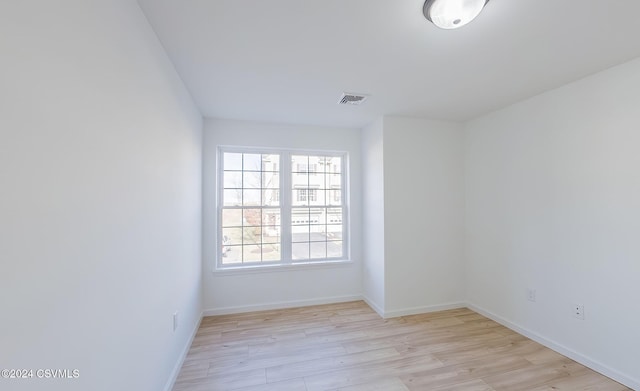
(451, 14)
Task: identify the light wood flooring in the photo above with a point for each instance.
(348, 347)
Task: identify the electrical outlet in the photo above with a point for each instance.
(531, 295)
(175, 321)
(578, 311)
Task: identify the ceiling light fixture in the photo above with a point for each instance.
(451, 14)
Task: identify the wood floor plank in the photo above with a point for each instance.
(226, 381)
(348, 347)
(473, 385)
(370, 372)
(287, 385)
(584, 382)
(386, 384)
(524, 379)
(451, 375)
(283, 358)
(309, 367)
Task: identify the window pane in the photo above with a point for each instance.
(334, 249)
(300, 251)
(251, 253)
(334, 231)
(271, 162)
(232, 179)
(299, 163)
(316, 197)
(231, 217)
(270, 197)
(271, 234)
(316, 181)
(251, 197)
(318, 232)
(300, 233)
(328, 163)
(271, 252)
(251, 235)
(232, 197)
(300, 216)
(318, 216)
(300, 197)
(334, 181)
(317, 236)
(299, 180)
(316, 164)
(334, 216)
(318, 250)
(252, 180)
(252, 217)
(271, 217)
(252, 162)
(334, 164)
(231, 254)
(334, 197)
(232, 161)
(271, 180)
(231, 236)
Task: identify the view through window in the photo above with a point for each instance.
(260, 224)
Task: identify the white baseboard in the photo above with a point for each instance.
(553, 345)
(412, 310)
(176, 369)
(280, 305)
(374, 306)
(423, 309)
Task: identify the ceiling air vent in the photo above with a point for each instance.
(352, 99)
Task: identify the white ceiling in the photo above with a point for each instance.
(290, 60)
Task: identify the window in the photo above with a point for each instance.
(261, 223)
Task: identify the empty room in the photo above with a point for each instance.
(295, 195)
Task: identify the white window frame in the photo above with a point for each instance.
(286, 205)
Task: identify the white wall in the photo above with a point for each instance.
(553, 204)
(226, 292)
(100, 158)
(423, 215)
(373, 216)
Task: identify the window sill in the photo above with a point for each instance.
(280, 268)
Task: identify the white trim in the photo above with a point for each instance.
(565, 351)
(280, 305)
(298, 266)
(176, 369)
(412, 310)
(423, 310)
